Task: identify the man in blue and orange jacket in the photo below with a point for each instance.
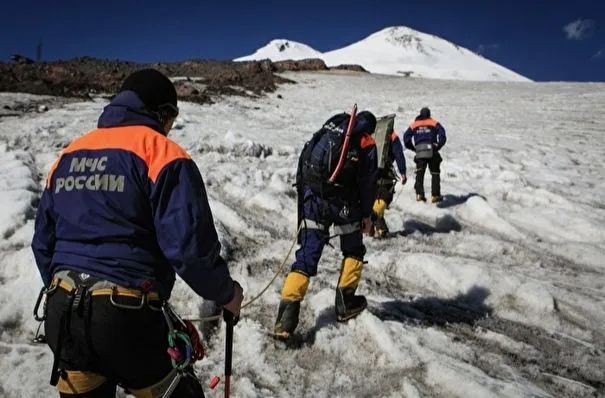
(426, 137)
(387, 178)
(350, 212)
(124, 208)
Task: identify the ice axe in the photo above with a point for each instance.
(345, 145)
(230, 321)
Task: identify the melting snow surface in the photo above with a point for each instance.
(499, 291)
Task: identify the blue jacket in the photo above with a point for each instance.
(126, 204)
(365, 191)
(424, 130)
(397, 153)
(368, 174)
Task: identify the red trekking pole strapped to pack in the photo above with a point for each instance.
(345, 146)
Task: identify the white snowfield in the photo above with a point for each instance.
(398, 50)
(499, 291)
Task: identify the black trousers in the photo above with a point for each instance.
(385, 192)
(113, 345)
(386, 189)
(433, 164)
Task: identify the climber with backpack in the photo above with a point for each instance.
(336, 185)
(426, 136)
(389, 150)
(123, 211)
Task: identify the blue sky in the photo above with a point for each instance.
(544, 40)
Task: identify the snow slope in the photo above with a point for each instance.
(400, 50)
(499, 291)
(281, 50)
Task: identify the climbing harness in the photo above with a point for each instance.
(80, 288)
(184, 342)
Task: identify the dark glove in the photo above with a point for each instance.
(228, 316)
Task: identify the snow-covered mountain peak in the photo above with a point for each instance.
(409, 39)
(282, 49)
(400, 36)
(397, 35)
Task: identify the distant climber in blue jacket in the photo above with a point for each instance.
(387, 178)
(426, 137)
(124, 208)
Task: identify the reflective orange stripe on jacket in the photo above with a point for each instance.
(423, 123)
(367, 141)
(153, 148)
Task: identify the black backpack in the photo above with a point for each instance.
(320, 156)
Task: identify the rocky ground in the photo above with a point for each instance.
(197, 80)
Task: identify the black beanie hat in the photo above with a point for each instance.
(152, 87)
(370, 121)
(425, 112)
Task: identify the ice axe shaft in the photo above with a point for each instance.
(345, 146)
(229, 320)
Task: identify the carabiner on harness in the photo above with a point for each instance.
(125, 306)
(42, 298)
(44, 293)
(180, 360)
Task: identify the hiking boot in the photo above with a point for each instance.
(381, 228)
(348, 305)
(372, 231)
(436, 198)
(420, 198)
(287, 319)
(293, 292)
